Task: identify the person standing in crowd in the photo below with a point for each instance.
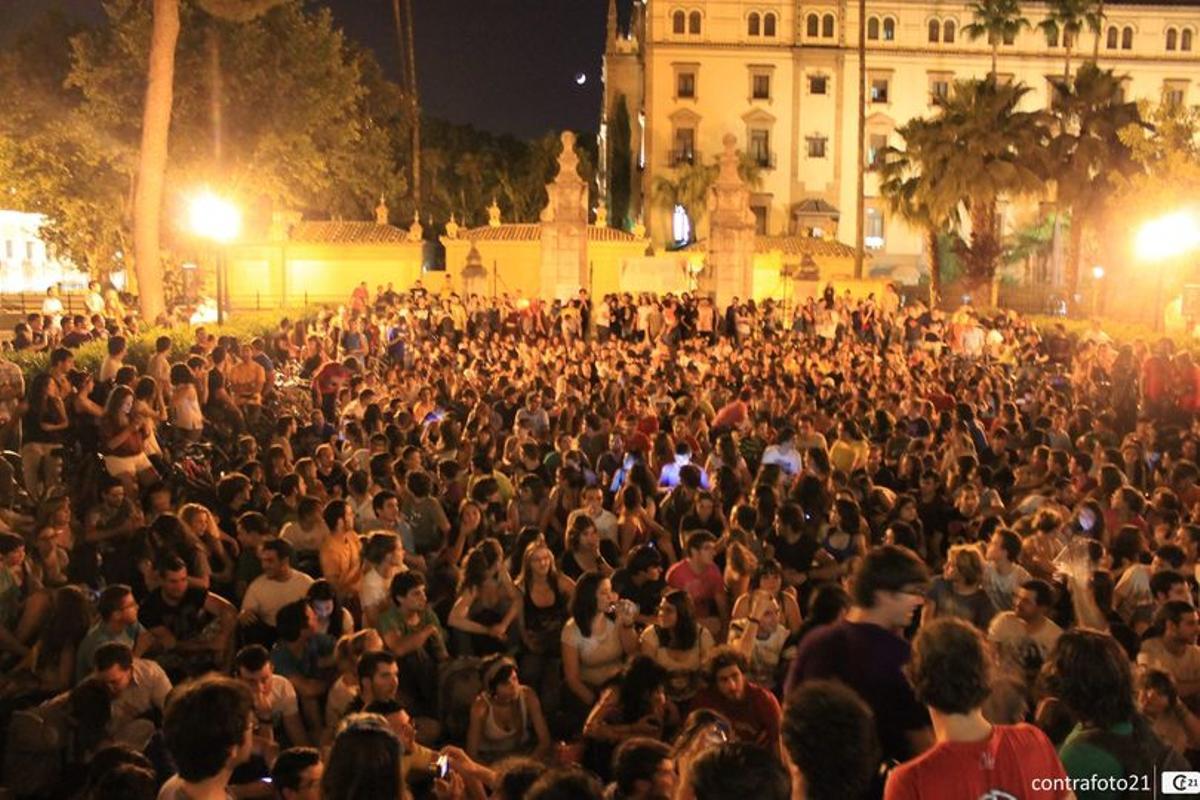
(867, 651)
(950, 674)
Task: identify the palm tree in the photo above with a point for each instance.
(912, 186)
(692, 182)
(998, 20)
(1066, 19)
(982, 149)
(156, 127)
(1088, 155)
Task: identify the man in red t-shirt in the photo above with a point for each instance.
(972, 757)
(699, 577)
(752, 710)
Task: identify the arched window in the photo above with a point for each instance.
(948, 31)
(752, 24)
(1110, 40)
(827, 26)
(678, 22)
(873, 28)
(1185, 40)
(768, 24)
(935, 31)
(1127, 39)
(1171, 38)
(694, 22)
(889, 29)
(1052, 37)
(813, 25)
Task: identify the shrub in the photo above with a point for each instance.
(243, 327)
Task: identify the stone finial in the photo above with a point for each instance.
(729, 161)
(381, 212)
(452, 228)
(494, 214)
(639, 228)
(568, 160)
(602, 215)
(415, 232)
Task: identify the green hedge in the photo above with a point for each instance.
(242, 326)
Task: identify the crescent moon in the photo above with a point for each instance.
(580, 78)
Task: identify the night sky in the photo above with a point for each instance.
(506, 66)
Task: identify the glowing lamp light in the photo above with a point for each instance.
(213, 217)
(1168, 236)
(1097, 272)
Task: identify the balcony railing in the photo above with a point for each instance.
(678, 158)
(763, 160)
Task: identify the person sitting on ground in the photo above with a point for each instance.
(829, 744)
(506, 717)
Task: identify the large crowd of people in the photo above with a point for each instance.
(627, 547)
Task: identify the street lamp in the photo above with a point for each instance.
(214, 218)
(1165, 238)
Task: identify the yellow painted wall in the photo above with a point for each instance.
(320, 273)
(512, 267)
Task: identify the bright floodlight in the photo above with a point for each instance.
(1097, 272)
(1168, 236)
(213, 217)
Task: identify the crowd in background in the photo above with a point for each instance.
(636, 546)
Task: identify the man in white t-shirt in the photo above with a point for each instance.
(276, 587)
(1175, 650)
(275, 702)
(1024, 637)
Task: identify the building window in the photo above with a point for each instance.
(827, 26)
(1173, 95)
(685, 147)
(1172, 38)
(873, 229)
(879, 90)
(1110, 40)
(816, 146)
(752, 24)
(939, 89)
(876, 145)
(760, 220)
(685, 85)
(760, 147)
(768, 24)
(761, 87)
(817, 84)
(935, 31)
(889, 29)
(813, 26)
(694, 22)
(678, 22)
(1127, 39)
(948, 29)
(1185, 40)
(1010, 37)
(1052, 37)
(873, 29)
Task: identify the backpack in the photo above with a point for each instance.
(459, 683)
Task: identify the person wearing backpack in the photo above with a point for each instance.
(1090, 675)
